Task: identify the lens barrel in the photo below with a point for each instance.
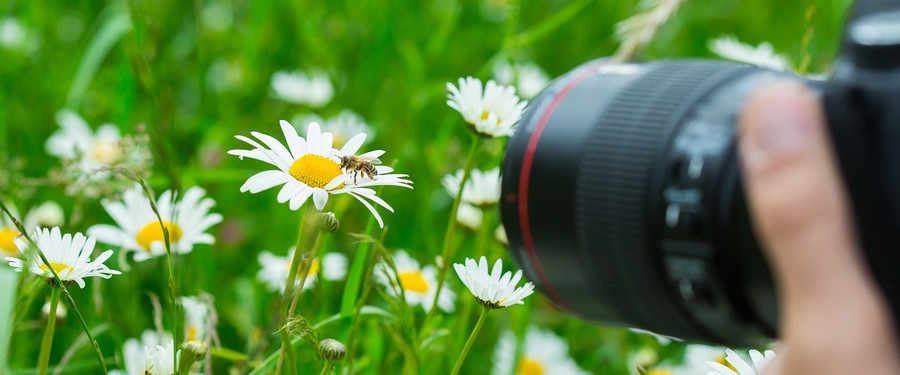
(622, 200)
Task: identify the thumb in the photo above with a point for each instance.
(802, 217)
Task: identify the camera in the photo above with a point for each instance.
(622, 196)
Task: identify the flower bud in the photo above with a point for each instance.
(330, 222)
(332, 349)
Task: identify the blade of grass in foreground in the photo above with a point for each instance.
(9, 279)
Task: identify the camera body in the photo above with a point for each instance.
(622, 195)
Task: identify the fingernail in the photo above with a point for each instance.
(781, 127)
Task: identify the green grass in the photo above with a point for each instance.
(148, 63)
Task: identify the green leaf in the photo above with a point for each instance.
(9, 279)
(114, 29)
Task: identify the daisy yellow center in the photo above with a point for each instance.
(313, 268)
(105, 152)
(58, 267)
(191, 334)
(7, 243)
(153, 232)
(528, 366)
(724, 362)
(315, 171)
(413, 281)
(486, 114)
(660, 372)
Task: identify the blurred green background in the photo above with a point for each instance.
(196, 73)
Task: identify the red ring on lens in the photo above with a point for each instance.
(524, 178)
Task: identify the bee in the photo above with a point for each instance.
(357, 164)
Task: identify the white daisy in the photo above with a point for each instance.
(528, 78)
(158, 359)
(133, 352)
(544, 353)
(68, 255)
(493, 112)
(763, 55)
(275, 269)
(313, 89)
(342, 127)
(196, 317)
(469, 216)
(737, 366)
(75, 139)
(495, 289)
(482, 189)
(311, 168)
(137, 227)
(418, 283)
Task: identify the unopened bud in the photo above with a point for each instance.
(332, 349)
(196, 350)
(330, 223)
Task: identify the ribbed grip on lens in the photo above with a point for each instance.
(612, 194)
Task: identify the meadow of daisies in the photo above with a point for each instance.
(310, 187)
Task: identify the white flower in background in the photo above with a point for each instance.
(158, 359)
(68, 255)
(482, 189)
(217, 16)
(46, 215)
(763, 55)
(500, 235)
(528, 78)
(225, 74)
(495, 289)
(75, 139)
(196, 318)
(133, 352)
(469, 216)
(12, 33)
(313, 88)
(737, 366)
(342, 126)
(137, 228)
(418, 283)
(544, 353)
(311, 168)
(275, 270)
(492, 112)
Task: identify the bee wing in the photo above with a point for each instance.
(374, 160)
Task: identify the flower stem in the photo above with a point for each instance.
(47, 342)
(326, 369)
(446, 252)
(465, 351)
(34, 247)
(287, 351)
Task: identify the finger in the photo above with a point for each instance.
(802, 217)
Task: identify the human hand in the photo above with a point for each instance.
(833, 318)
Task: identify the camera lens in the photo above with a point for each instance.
(622, 200)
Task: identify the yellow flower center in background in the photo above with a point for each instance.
(105, 152)
(658, 371)
(486, 114)
(313, 269)
(315, 171)
(153, 232)
(7, 245)
(528, 366)
(58, 267)
(413, 281)
(191, 334)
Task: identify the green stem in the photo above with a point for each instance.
(286, 349)
(34, 247)
(446, 252)
(326, 369)
(465, 351)
(47, 342)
